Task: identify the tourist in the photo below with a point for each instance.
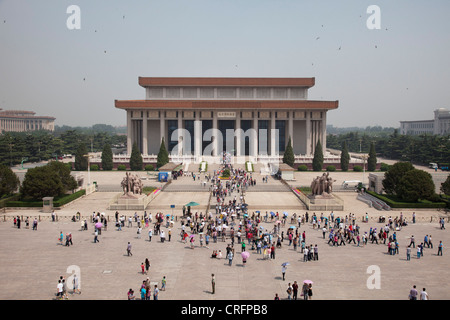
(96, 236)
(408, 253)
(130, 294)
(283, 270)
(440, 246)
(147, 265)
(129, 249)
(424, 295)
(150, 233)
(213, 283)
(230, 257)
(75, 284)
(289, 291)
(413, 293)
(305, 291)
(163, 283)
(155, 292)
(59, 287)
(294, 290)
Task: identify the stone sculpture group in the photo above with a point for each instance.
(322, 185)
(131, 184)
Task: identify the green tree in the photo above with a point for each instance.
(445, 186)
(63, 171)
(41, 182)
(372, 160)
(136, 161)
(318, 157)
(393, 175)
(414, 185)
(163, 155)
(288, 156)
(81, 158)
(345, 157)
(8, 181)
(107, 157)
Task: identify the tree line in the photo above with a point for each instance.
(421, 149)
(18, 147)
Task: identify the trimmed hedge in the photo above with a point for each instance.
(393, 202)
(122, 167)
(302, 167)
(331, 168)
(57, 201)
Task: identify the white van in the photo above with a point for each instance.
(350, 184)
(433, 165)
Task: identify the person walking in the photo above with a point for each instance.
(75, 283)
(413, 293)
(424, 295)
(213, 284)
(129, 249)
(283, 271)
(408, 253)
(163, 283)
(295, 290)
(289, 291)
(155, 292)
(230, 257)
(147, 265)
(96, 236)
(440, 246)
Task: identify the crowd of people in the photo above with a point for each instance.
(240, 229)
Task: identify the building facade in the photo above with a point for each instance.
(246, 117)
(440, 125)
(24, 121)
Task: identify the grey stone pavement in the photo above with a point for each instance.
(31, 261)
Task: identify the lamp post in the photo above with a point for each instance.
(364, 157)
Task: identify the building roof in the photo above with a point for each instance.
(21, 114)
(230, 82)
(226, 104)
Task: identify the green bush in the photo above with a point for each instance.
(384, 166)
(122, 167)
(395, 202)
(331, 168)
(302, 167)
(357, 169)
(149, 167)
(94, 167)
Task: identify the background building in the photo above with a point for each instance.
(23, 121)
(440, 125)
(276, 109)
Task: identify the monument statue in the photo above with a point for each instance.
(322, 185)
(131, 184)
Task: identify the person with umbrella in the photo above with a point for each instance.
(245, 256)
(283, 269)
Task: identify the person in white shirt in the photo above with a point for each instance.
(424, 295)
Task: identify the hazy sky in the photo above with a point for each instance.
(380, 77)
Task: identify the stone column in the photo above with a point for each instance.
(180, 134)
(324, 132)
(144, 133)
(272, 135)
(129, 132)
(215, 128)
(255, 135)
(308, 134)
(162, 128)
(238, 134)
(197, 136)
(291, 127)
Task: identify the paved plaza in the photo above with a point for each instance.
(33, 260)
